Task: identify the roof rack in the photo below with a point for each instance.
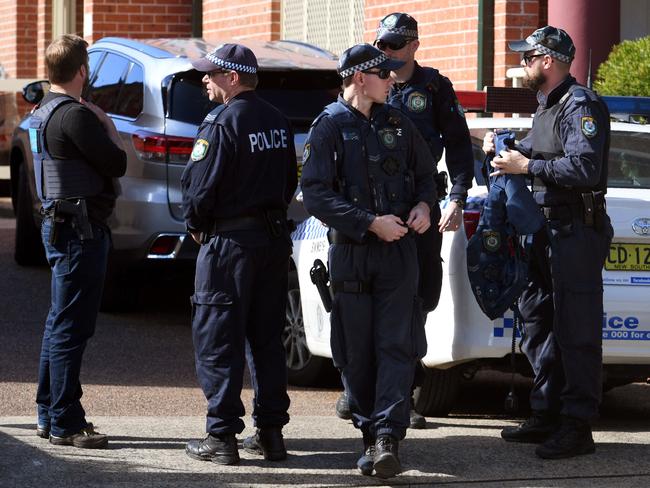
(497, 99)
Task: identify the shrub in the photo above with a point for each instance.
(627, 70)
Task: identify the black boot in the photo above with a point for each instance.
(573, 438)
(387, 462)
(343, 407)
(218, 448)
(267, 442)
(536, 429)
(367, 459)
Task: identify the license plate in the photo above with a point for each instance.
(628, 257)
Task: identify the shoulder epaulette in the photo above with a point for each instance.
(212, 116)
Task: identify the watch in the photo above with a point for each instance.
(459, 202)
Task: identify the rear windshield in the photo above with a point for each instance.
(629, 157)
(300, 95)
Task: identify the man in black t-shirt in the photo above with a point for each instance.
(77, 153)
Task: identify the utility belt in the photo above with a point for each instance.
(273, 222)
(72, 210)
(590, 210)
(336, 237)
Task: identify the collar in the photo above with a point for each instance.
(417, 77)
(556, 94)
(376, 107)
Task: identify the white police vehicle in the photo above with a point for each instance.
(461, 339)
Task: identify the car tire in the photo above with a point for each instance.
(28, 247)
(121, 291)
(304, 369)
(436, 396)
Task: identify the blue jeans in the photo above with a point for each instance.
(78, 270)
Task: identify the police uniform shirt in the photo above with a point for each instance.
(583, 129)
(243, 162)
(324, 158)
(429, 100)
(75, 133)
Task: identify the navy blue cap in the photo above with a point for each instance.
(548, 40)
(363, 57)
(397, 27)
(228, 56)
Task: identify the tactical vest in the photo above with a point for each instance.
(59, 178)
(372, 168)
(417, 102)
(547, 145)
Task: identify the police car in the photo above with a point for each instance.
(461, 339)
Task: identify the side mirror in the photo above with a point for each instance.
(35, 91)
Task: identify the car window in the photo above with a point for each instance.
(300, 95)
(105, 89)
(629, 160)
(129, 102)
(94, 58)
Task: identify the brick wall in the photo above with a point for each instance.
(18, 37)
(137, 19)
(44, 35)
(513, 20)
(447, 31)
(243, 19)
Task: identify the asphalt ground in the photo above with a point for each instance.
(140, 388)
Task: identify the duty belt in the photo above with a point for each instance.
(351, 287)
(239, 223)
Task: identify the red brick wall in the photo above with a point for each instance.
(44, 35)
(447, 31)
(137, 19)
(18, 37)
(243, 19)
(513, 20)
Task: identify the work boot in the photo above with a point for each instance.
(387, 462)
(43, 431)
(367, 459)
(573, 438)
(343, 407)
(218, 448)
(417, 421)
(536, 429)
(267, 442)
(86, 438)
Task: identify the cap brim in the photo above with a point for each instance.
(520, 46)
(204, 65)
(391, 64)
(392, 37)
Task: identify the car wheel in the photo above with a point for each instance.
(28, 250)
(437, 394)
(304, 369)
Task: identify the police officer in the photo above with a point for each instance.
(367, 174)
(236, 190)
(566, 155)
(77, 153)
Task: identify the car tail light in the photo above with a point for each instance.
(166, 246)
(470, 219)
(159, 147)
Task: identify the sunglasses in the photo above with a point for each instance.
(383, 74)
(393, 46)
(529, 57)
(219, 72)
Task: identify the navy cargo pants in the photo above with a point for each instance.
(78, 270)
(563, 311)
(239, 307)
(377, 335)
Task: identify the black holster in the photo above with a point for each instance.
(73, 211)
(441, 179)
(320, 278)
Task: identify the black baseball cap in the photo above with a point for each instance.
(228, 56)
(363, 57)
(548, 40)
(397, 27)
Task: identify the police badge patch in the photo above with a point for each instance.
(416, 102)
(491, 240)
(390, 166)
(460, 109)
(200, 149)
(390, 21)
(306, 153)
(388, 138)
(588, 126)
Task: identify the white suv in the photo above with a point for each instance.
(461, 339)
